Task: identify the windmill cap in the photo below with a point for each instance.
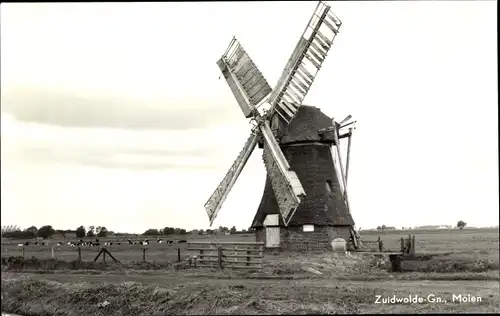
(305, 126)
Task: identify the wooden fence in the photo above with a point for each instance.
(407, 245)
(379, 243)
(67, 253)
(234, 255)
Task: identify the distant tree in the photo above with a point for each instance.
(168, 231)
(103, 232)
(31, 231)
(233, 230)
(13, 231)
(46, 231)
(200, 232)
(80, 232)
(90, 232)
(177, 231)
(152, 232)
(223, 229)
(10, 228)
(182, 231)
(209, 231)
(92, 229)
(461, 224)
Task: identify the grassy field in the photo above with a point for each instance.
(483, 241)
(155, 252)
(445, 240)
(465, 262)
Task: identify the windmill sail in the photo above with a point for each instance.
(286, 185)
(305, 62)
(244, 78)
(217, 198)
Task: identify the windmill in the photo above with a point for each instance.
(305, 196)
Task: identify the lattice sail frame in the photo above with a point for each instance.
(249, 87)
(214, 203)
(245, 80)
(305, 62)
(286, 185)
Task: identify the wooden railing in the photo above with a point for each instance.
(235, 255)
(378, 242)
(407, 245)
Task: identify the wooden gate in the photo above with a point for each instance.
(242, 255)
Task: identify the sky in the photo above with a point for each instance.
(113, 114)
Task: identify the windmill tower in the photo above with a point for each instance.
(305, 196)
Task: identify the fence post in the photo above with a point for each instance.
(380, 245)
(23, 253)
(178, 254)
(52, 252)
(408, 244)
(219, 256)
(79, 254)
(402, 245)
(143, 254)
(248, 258)
(413, 245)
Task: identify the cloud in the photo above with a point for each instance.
(118, 148)
(72, 110)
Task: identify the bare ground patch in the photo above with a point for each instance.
(128, 298)
(43, 297)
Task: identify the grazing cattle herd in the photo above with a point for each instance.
(95, 243)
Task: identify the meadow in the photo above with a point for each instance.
(464, 262)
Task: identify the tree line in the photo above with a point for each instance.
(47, 231)
(181, 231)
(460, 224)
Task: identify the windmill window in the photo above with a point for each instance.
(307, 228)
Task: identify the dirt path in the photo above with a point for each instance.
(166, 280)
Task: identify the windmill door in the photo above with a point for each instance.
(272, 237)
